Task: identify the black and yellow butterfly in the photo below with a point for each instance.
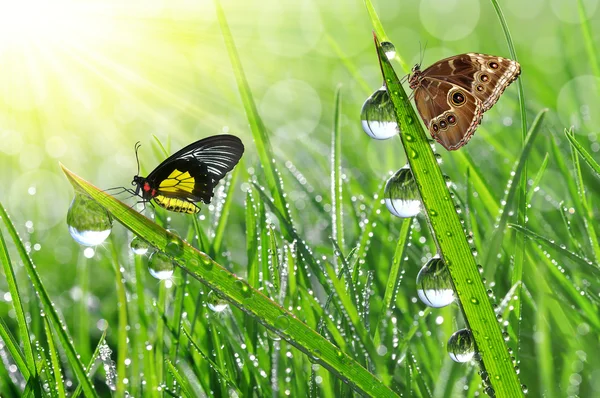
(191, 174)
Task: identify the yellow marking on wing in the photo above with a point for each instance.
(177, 205)
(178, 181)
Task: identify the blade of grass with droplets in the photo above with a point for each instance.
(259, 131)
(122, 350)
(582, 152)
(588, 213)
(60, 388)
(538, 177)
(222, 223)
(91, 363)
(336, 173)
(181, 382)
(392, 281)
(551, 245)
(27, 355)
(511, 197)
(48, 307)
(451, 241)
(12, 346)
(238, 292)
(212, 364)
(521, 199)
(329, 281)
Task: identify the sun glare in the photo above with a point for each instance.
(25, 21)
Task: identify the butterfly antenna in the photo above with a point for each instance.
(423, 53)
(137, 159)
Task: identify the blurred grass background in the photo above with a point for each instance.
(81, 82)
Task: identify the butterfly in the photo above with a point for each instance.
(189, 175)
(452, 94)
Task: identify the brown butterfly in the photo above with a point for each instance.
(452, 94)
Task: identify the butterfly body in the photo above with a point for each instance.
(452, 94)
(190, 175)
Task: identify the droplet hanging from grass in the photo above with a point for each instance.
(216, 303)
(388, 49)
(461, 346)
(160, 266)
(89, 223)
(174, 244)
(401, 194)
(377, 116)
(434, 286)
(139, 246)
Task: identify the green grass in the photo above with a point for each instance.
(314, 280)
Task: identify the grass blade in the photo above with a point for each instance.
(27, 356)
(60, 388)
(510, 198)
(259, 131)
(336, 173)
(49, 310)
(582, 152)
(452, 242)
(237, 292)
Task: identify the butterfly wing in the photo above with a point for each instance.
(191, 174)
(449, 111)
(484, 76)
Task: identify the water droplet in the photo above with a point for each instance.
(389, 49)
(461, 346)
(378, 117)
(474, 301)
(413, 154)
(401, 195)
(434, 286)
(89, 223)
(216, 303)
(410, 120)
(174, 245)
(409, 137)
(243, 287)
(282, 322)
(139, 246)
(438, 157)
(160, 266)
(524, 389)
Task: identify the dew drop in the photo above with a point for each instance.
(243, 288)
(461, 346)
(174, 245)
(434, 286)
(89, 223)
(139, 246)
(524, 389)
(378, 117)
(401, 195)
(282, 322)
(216, 303)
(389, 49)
(160, 266)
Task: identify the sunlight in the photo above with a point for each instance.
(23, 21)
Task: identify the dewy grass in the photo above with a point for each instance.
(451, 240)
(239, 293)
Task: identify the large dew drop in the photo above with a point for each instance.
(461, 346)
(89, 223)
(401, 195)
(139, 246)
(389, 49)
(160, 266)
(377, 116)
(434, 286)
(216, 303)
